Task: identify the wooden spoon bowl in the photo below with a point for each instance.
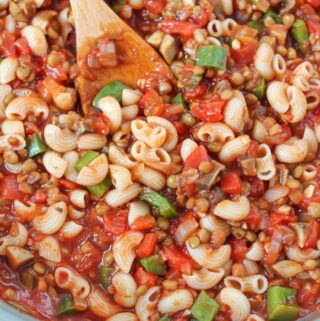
(94, 19)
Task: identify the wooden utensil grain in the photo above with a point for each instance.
(93, 19)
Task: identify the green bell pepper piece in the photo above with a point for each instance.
(86, 159)
(273, 15)
(65, 305)
(36, 146)
(104, 273)
(165, 318)
(212, 56)
(101, 188)
(259, 91)
(281, 306)
(205, 308)
(113, 88)
(300, 34)
(154, 265)
(179, 100)
(256, 25)
(155, 199)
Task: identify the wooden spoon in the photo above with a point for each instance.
(93, 19)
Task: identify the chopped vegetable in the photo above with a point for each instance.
(209, 110)
(314, 3)
(254, 218)
(113, 88)
(182, 28)
(116, 224)
(313, 26)
(142, 223)
(198, 156)
(154, 6)
(155, 199)
(300, 34)
(143, 277)
(177, 259)
(273, 15)
(146, 247)
(100, 123)
(104, 274)
(244, 55)
(165, 318)
(212, 56)
(65, 305)
(257, 25)
(231, 183)
(179, 100)
(238, 249)
(259, 91)
(205, 308)
(36, 146)
(10, 189)
(281, 305)
(86, 159)
(154, 265)
(276, 219)
(101, 188)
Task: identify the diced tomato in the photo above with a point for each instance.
(253, 219)
(40, 197)
(31, 128)
(238, 249)
(313, 234)
(8, 48)
(253, 149)
(116, 224)
(279, 138)
(146, 247)
(178, 259)
(90, 260)
(190, 189)
(154, 6)
(143, 277)
(100, 123)
(196, 93)
(231, 183)
(180, 127)
(10, 189)
(209, 110)
(276, 219)
(151, 97)
(67, 184)
(308, 293)
(142, 223)
(313, 25)
(152, 103)
(182, 28)
(314, 3)
(198, 156)
(201, 18)
(22, 46)
(257, 187)
(244, 55)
